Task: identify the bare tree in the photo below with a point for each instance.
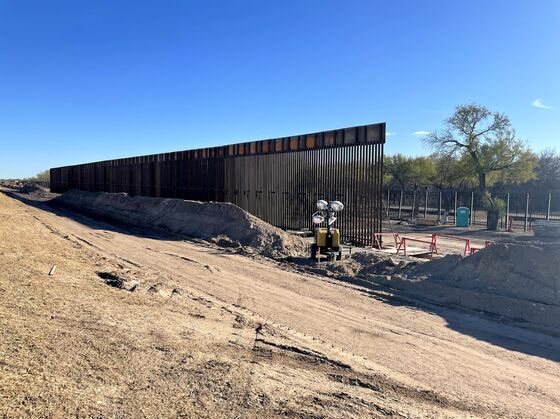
(487, 138)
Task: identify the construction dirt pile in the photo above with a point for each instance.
(514, 281)
(361, 264)
(547, 229)
(527, 271)
(36, 191)
(223, 224)
(29, 188)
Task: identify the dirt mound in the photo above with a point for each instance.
(547, 228)
(36, 192)
(380, 264)
(363, 264)
(528, 271)
(224, 224)
(517, 282)
(30, 188)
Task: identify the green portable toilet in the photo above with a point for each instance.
(462, 217)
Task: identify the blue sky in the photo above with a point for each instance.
(91, 80)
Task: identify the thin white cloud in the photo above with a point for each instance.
(538, 103)
(390, 134)
(421, 133)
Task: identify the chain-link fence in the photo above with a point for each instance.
(522, 209)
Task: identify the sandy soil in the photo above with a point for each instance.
(195, 330)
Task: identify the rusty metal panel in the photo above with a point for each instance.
(294, 143)
(265, 147)
(310, 141)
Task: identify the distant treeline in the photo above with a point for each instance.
(440, 171)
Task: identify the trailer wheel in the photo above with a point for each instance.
(313, 251)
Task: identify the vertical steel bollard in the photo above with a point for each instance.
(413, 205)
(400, 203)
(507, 212)
(525, 226)
(439, 208)
(548, 206)
(455, 208)
(472, 208)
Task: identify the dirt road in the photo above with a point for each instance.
(196, 329)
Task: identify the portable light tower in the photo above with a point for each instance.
(327, 240)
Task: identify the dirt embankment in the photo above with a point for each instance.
(528, 271)
(516, 281)
(224, 224)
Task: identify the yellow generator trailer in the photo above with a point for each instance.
(327, 244)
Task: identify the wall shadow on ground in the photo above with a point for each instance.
(510, 334)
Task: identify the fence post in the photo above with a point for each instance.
(455, 208)
(548, 206)
(400, 203)
(526, 213)
(388, 200)
(439, 207)
(413, 205)
(507, 213)
(472, 208)
(426, 204)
